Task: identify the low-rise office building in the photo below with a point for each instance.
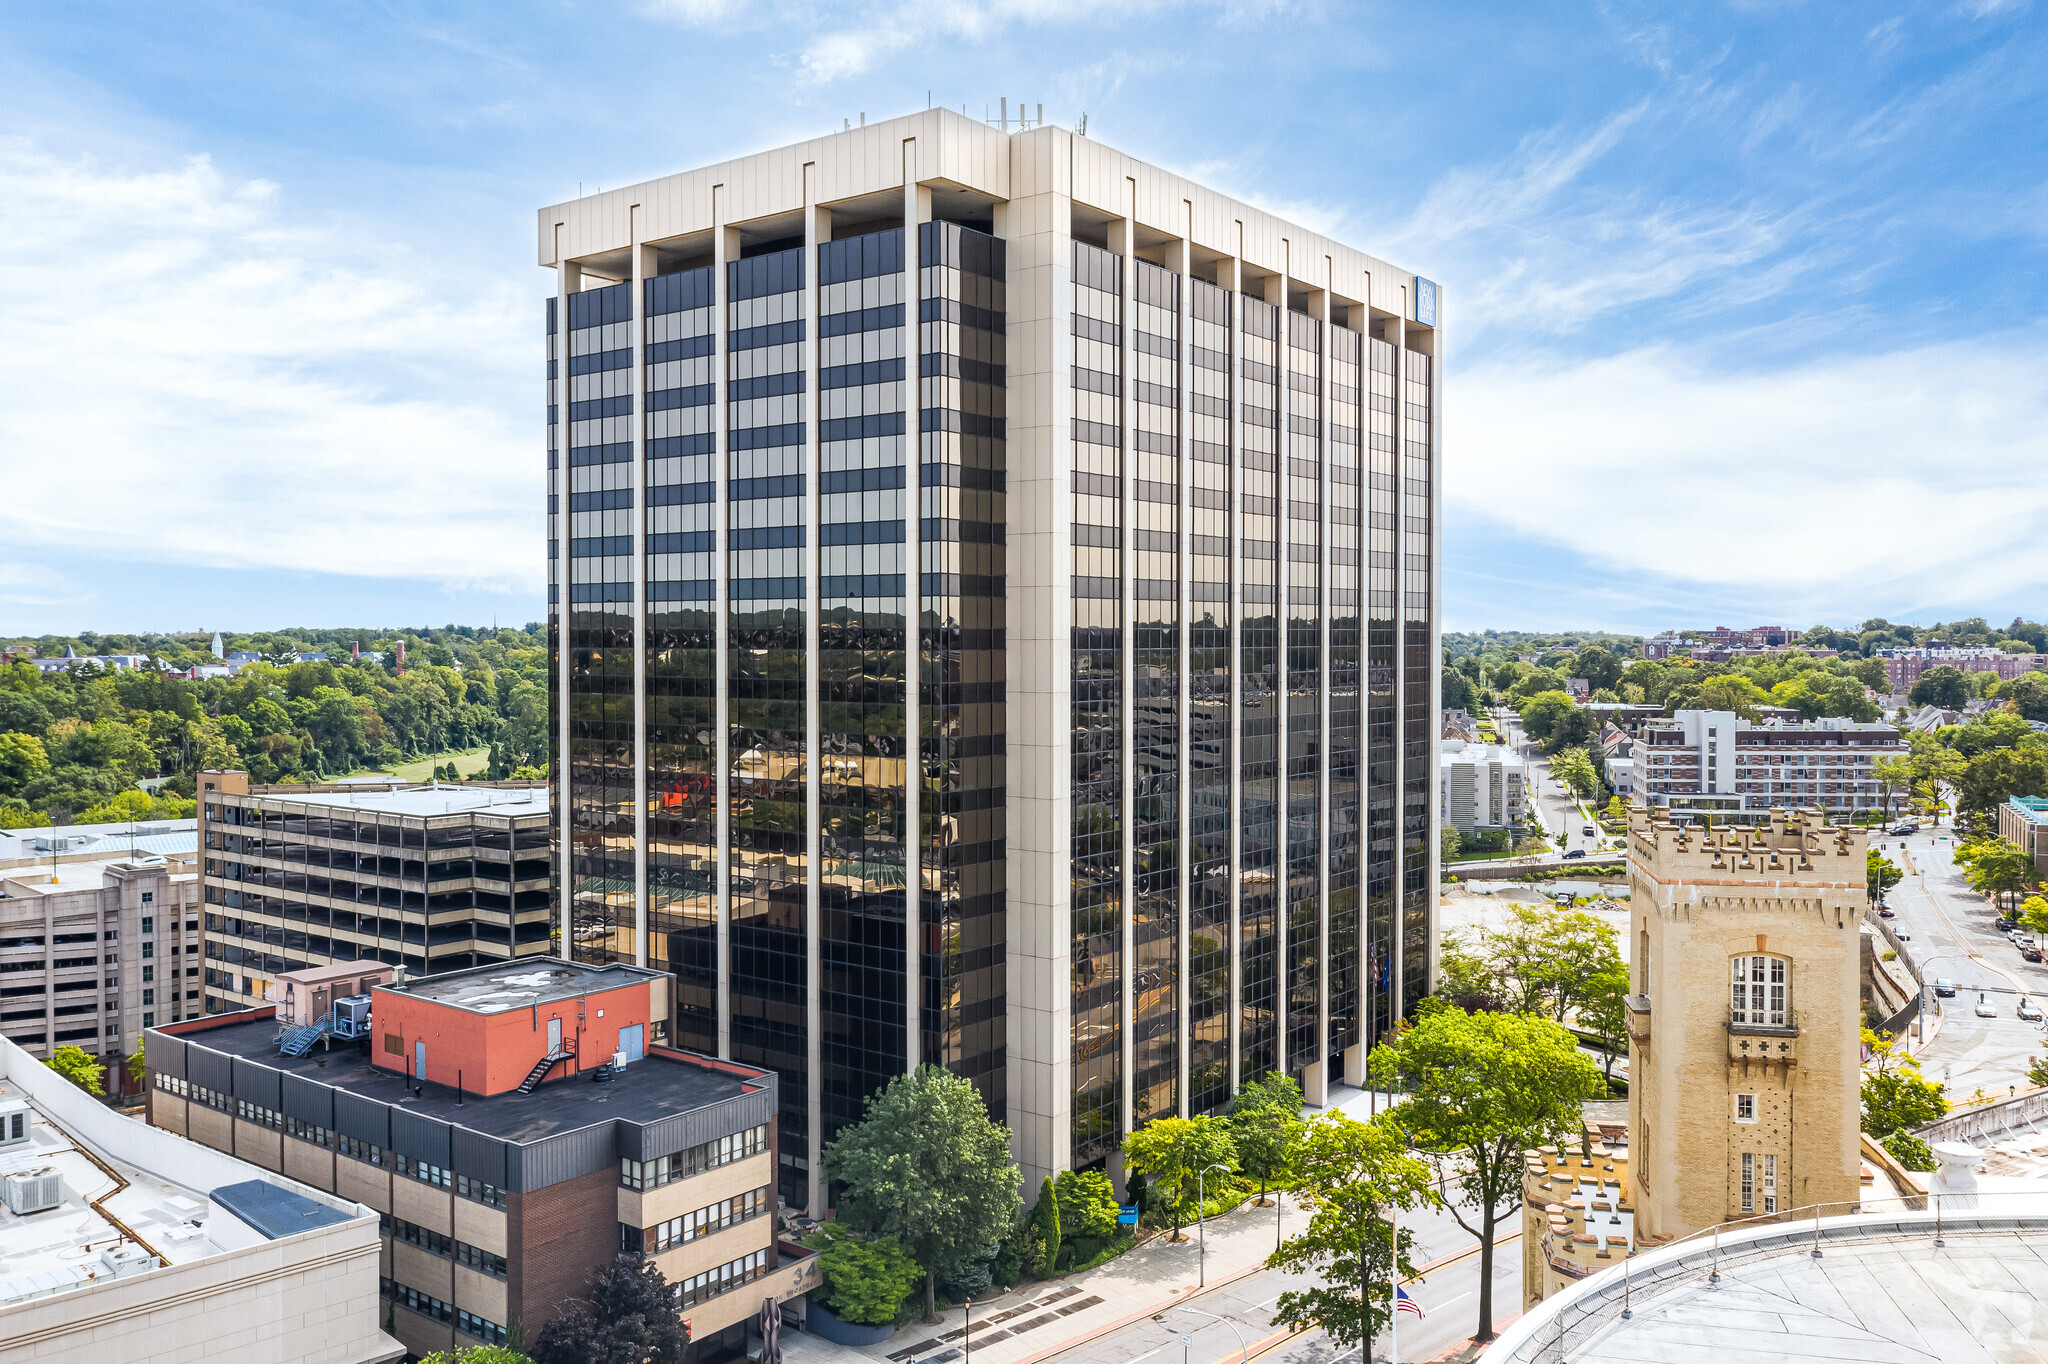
(467, 1109)
(431, 878)
(124, 1244)
(1481, 787)
(92, 953)
(1715, 762)
(2024, 820)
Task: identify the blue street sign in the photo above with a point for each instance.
(1127, 1214)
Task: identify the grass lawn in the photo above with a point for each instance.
(468, 764)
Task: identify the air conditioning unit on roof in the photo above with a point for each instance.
(33, 1191)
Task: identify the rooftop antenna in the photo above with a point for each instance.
(1081, 130)
(1005, 124)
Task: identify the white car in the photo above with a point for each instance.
(1986, 1009)
(2030, 1011)
(1903, 933)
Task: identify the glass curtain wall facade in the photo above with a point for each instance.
(1099, 769)
(1418, 697)
(1259, 840)
(730, 507)
(962, 404)
(1382, 721)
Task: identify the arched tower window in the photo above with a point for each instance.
(1760, 990)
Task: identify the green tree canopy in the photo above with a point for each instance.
(1995, 866)
(1483, 1088)
(627, 1315)
(1176, 1154)
(1355, 1176)
(1879, 873)
(1895, 1095)
(1087, 1202)
(926, 1165)
(868, 1279)
(75, 1064)
(1575, 770)
(1940, 686)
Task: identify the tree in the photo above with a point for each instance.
(2028, 696)
(1604, 1013)
(1879, 875)
(1542, 960)
(1265, 1120)
(1895, 1095)
(2034, 914)
(1893, 774)
(1600, 669)
(1043, 1241)
(80, 1068)
(927, 1166)
(1177, 1154)
(477, 1354)
(1483, 1088)
(869, 1279)
(627, 1315)
(1087, 1204)
(1450, 840)
(1354, 1175)
(22, 760)
(1995, 866)
(1941, 686)
(1909, 1151)
(1575, 769)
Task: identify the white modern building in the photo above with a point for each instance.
(121, 1243)
(1105, 502)
(1705, 761)
(1481, 787)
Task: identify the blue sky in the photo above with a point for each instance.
(1744, 301)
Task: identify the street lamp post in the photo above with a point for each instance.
(1202, 1225)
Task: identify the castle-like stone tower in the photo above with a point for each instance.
(1743, 1022)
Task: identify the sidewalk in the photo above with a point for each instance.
(1043, 1319)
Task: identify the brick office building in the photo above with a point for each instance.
(467, 1114)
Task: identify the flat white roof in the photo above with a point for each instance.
(49, 1252)
(433, 799)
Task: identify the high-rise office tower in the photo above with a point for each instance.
(994, 586)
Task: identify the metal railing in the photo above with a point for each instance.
(1565, 1325)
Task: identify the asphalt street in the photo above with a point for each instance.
(1953, 937)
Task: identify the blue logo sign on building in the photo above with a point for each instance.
(1425, 301)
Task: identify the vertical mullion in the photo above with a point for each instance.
(1398, 928)
(721, 541)
(913, 611)
(1235, 518)
(1282, 577)
(1183, 595)
(1127, 1011)
(566, 275)
(637, 305)
(813, 469)
(1324, 976)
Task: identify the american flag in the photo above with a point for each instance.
(1404, 1303)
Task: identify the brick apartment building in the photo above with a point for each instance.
(1902, 667)
(467, 1108)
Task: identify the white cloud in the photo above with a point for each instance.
(1912, 475)
(197, 378)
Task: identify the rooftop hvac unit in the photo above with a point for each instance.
(14, 1123)
(30, 1191)
(126, 1259)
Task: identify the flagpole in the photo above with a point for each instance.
(1394, 1297)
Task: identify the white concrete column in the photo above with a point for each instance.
(1276, 293)
(1397, 948)
(916, 208)
(1436, 620)
(1184, 595)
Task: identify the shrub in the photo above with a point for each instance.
(868, 1279)
(1087, 1203)
(1042, 1251)
(1909, 1151)
(970, 1284)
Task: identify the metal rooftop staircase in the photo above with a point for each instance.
(542, 1067)
(299, 1041)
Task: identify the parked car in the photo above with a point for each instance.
(2030, 1011)
(2030, 954)
(1574, 854)
(1590, 832)
(2005, 923)
(1903, 829)
(1903, 933)
(1944, 987)
(1884, 913)
(1985, 1008)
